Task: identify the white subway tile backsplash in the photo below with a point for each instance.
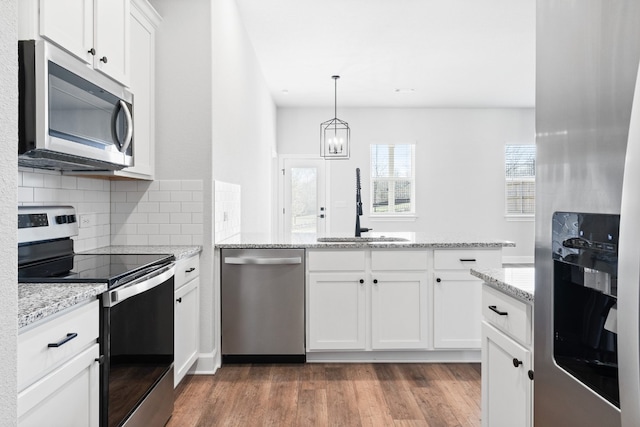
(160, 196)
(170, 185)
(89, 196)
(159, 218)
(227, 217)
(159, 210)
(121, 212)
(192, 185)
(180, 218)
(171, 207)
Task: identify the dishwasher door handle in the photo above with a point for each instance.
(262, 260)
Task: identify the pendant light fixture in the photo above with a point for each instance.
(335, 134)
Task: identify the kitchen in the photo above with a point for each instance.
(229, 121)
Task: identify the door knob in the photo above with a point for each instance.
(516, 362)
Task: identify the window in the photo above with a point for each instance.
(520, 177)
(392, 179)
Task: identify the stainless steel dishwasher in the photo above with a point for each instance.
(262, 303)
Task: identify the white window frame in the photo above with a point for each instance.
(517, 216)
(391, 180)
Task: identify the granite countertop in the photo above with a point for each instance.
(39, 300)
(413, 240)
(518, 282)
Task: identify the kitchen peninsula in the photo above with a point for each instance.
(507, 345)
(388, 296)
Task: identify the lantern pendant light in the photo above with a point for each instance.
(335, 134)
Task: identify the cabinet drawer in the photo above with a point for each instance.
(401, 260)
(187, 269)
(464, 259)
(515, 319)
(343, 260)
(35, 357)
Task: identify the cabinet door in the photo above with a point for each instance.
(336, 316)
(457, 310)
(68, 396)
(69, 23)
(143, 89)
(187, 330)
(399, 311)
(111, 38)
(506, 387)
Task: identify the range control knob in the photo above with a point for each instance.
(61, 219)
(71, 219)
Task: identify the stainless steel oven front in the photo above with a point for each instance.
(137, 344)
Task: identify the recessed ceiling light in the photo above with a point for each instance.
(405, 90)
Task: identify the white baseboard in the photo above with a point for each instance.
(439, 356)
(207, 364)
(517, 259)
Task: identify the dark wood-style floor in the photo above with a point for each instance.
(349, 395)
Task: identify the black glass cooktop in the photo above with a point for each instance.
(114, 269)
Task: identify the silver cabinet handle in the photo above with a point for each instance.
(262, 261)
(129, 136)
(138, 286)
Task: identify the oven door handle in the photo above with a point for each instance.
(138, 286)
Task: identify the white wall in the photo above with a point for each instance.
(459, 167)
(8, 212)
(215, 120)
(244, 118)
(183, 128)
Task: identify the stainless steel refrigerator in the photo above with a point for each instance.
(587, 256)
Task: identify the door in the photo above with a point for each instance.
(337, 311)
(506, 387)
(399, 310)
(303, 207)
(457, 311)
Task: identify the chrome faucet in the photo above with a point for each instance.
(359, 229)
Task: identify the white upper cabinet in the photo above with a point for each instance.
(95, 31)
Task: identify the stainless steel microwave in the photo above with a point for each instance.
(71, 117)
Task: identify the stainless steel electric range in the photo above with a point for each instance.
(136, 321)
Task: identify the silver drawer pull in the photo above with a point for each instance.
(63, 341)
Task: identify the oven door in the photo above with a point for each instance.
(137, 339)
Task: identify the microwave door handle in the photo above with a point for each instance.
(129, 135)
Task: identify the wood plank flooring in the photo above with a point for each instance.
(313, 394)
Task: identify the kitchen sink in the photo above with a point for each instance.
(361, 239)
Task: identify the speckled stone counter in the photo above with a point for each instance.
(413, 240)
(515, 282)
(39, 300)
(179, 252)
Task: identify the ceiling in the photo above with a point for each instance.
(437, 53)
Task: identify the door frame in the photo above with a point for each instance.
(279, 214)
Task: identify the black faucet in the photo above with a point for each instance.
(359, 207)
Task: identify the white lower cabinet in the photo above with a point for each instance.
(356, 301)
(507, 361)
(337, 311)
(68, 396)
(456, 311)
(399, 312)
(187, 316)
(506, 387)
(58, 369)
(457, 295)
